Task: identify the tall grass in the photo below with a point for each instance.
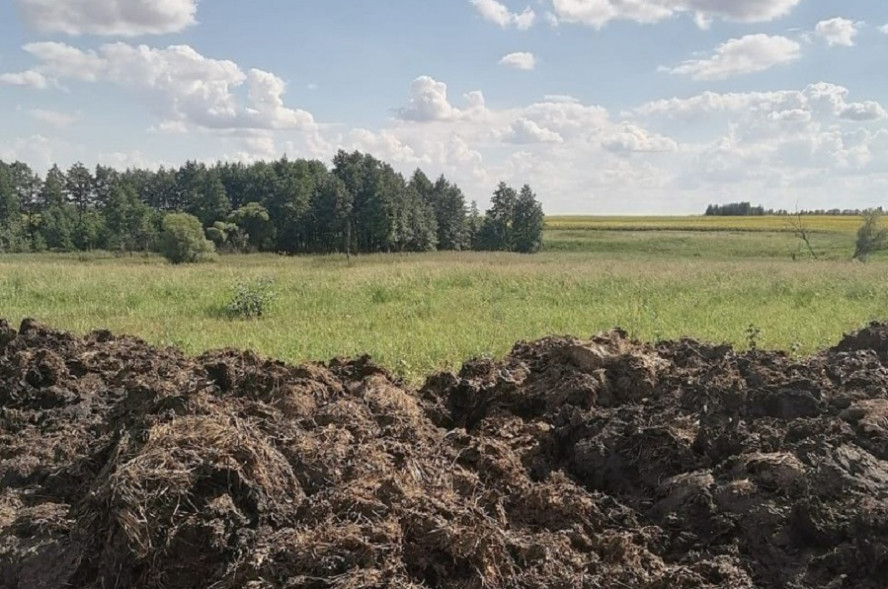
(420, 313)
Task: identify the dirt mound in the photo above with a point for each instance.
(569, 463)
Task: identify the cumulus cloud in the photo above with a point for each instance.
(821, 99)
(124, 18)
(519, 61)
(884, 29)
(598, 13)
(566, 149)
(427, 101)
(525, 131)
(54, 117)
(182, 86)
(863, 111)
(748, 54)
(28, 79)
(499, 14)
(58, 60)
(837, 31)
(632, 138)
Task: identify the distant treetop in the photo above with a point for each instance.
(745, 209)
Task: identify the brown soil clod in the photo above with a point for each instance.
(569, 463)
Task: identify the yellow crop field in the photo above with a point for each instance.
(770, 223)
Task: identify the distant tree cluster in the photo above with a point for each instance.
(745, 209)
(359, 205)
(735, 209)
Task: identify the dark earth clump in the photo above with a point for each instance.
(567, 464)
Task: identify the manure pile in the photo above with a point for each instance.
(567, 464)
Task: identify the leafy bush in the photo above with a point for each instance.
(251, 299)
(183, 240)
(871, 237)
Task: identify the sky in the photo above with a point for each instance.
(601, 106)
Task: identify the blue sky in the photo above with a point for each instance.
(602, 106)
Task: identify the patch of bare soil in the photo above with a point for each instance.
(569, 463)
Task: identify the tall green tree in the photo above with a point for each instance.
(527, 222)
(329, 227)
(253, 220)
(289, 208)
(12, 232)
(208, 201)
(497, 232)
(58, 227)
(28, 186)
(449, 205)
(129, 223)
(54, 190)
(58, 218)
(105, 180)
(474, 225)
(81, 192)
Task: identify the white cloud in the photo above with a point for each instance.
(884, 29)
(499, 14)
(134, 159)
(863, 111)
(519, 61)
(560, 98)
(28, 79)
(821, 100)
(598, 13)
(632, 138)
(427, 101)
(36, 150)
(788, 145)
(557, 145)
(748, 54)
(169, 128)
(837, 31)
(53, 117)
(59, 60)
(525, 131)
(179, 84)
(126, 18)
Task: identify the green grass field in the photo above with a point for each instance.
(421, 312)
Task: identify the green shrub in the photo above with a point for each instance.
(183, 240)
(871, 237)
(251, 299)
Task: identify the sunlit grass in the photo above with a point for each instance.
(420, 313)
(673, 244)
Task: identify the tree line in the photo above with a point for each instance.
(745, 209)
(359, 205)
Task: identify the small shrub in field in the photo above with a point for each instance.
(871, 237)
(183, 240)
(251, 299)
(752, 335)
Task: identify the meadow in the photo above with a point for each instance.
(418, 313)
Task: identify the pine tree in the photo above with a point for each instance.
(527, 223)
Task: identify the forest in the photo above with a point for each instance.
(359, 205)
